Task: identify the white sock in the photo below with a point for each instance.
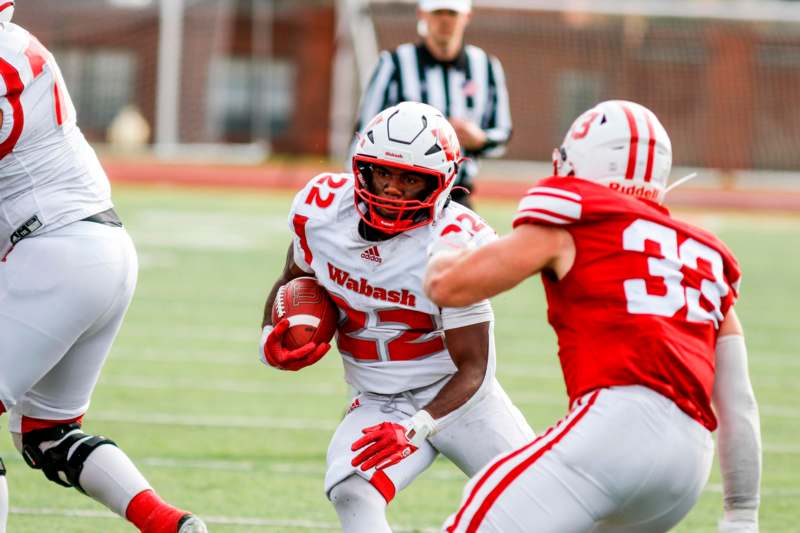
(3, 503)
(111, 478)
(361, 508)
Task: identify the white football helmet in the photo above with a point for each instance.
(620, 144)
(413, 137)
(6, 11)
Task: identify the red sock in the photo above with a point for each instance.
(151, 514)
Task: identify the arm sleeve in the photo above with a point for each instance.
(498, 119)
(458, 317)
(550, 202)
(739, 433)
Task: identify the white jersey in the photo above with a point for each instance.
(391, 336)
(47, 169)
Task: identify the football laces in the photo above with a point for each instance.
(281, 301)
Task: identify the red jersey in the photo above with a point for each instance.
(645, 296)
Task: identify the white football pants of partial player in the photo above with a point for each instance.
(625, 460)
(491, 426)
(3, 503)
(63, 295)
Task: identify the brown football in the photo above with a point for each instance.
(311, 313)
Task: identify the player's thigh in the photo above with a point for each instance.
(70, 318)
(527, 489)
(492, 426)
(38, 323)
(620, 459)
(539, 501)
(371, 411)
(65, 390)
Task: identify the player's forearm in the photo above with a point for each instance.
(739, 433)
(461, 387)
(458, 280)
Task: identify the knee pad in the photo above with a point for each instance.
(59, 464)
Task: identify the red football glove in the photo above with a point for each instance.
(275, 354)
(389, 445)
(390, 442)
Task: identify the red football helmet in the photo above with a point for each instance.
(412, 137)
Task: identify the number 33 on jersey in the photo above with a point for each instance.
(640, 278)
(653, 264)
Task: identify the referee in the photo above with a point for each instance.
(462, 81)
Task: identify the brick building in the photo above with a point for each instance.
(727, 91)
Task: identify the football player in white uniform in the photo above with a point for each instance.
(425, 376)
(67, 274)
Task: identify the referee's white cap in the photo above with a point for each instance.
(460, 6)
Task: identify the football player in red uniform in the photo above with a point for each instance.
(651, 350)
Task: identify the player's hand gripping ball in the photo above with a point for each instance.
(305, 320)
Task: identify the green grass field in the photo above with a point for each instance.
(244, 446)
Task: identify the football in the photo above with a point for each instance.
(311, 313)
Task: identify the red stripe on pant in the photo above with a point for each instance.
(32, 424)
(384, 485)
(483, 509)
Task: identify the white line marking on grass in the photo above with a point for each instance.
(230, 386)
(192, 334)
(218, 421)
(273, 468)
(319, 470)
(219, 520)
(716, 488)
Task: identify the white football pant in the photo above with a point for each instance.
(492, 426)
(63, 295)
(625, 459)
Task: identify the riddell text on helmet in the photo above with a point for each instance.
(633, 190)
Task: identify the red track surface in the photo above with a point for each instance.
(293, 176)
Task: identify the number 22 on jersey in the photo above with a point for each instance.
(692, 275)
(416, 338)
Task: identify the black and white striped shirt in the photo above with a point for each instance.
(471, 87)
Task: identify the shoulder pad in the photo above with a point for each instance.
(460, 219)
(322, 196)
(552, 202)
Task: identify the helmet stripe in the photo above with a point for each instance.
(651, 148)
(634, 143)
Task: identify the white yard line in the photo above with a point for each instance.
(304, 524)
(321, 390)
(219, 520)
(265, 386)
(213, 421)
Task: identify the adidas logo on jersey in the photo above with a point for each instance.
(372, 254)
